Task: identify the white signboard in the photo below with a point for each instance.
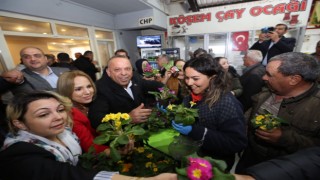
(241, 17)
(146, 21)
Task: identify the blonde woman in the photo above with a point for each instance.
(41, 146)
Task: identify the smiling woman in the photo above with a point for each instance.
(41, 144)
(79, 87)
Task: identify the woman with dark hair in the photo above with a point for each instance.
(41, 144)
(140, 65)
(221, 124)
(236, 87)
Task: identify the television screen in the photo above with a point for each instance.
(149, 41)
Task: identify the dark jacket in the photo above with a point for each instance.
(252, 83)
(65, 65)
(24, 160)
(84, 64)
(4, 85)
(112, 98)
(226, 131)
(304, 164)
(302, 113)
(282, 46)
(236, 86)
(33, 81)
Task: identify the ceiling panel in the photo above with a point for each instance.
(113, 6)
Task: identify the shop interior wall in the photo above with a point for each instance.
(312, 36)
(15, 44)
(59, 10)
(127, 39)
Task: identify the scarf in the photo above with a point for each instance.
(196, 97)
(68, 153)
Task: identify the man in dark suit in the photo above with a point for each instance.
(85, 63)
(120, 90)
(273, 43)
(37, 74)
(251, 79)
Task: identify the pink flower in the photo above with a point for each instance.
(199, 169)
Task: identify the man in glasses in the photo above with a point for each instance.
(37, 74)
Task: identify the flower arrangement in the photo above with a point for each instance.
(116, 130)
(164, 94)
(181, 114)
(206, 168)
(267, 121)
(142, 161)
(145, 161)
(149, 71)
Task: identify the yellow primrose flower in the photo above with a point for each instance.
(155, 169)
(120, 162)
(117, 124)
(126, 167)
(117, 117)
(140, 149)
(125, 116)
(111, 116)
(192, 103)
(259, 118)
(148, 164)
(150, 155)
(170, 107)
(264, 127)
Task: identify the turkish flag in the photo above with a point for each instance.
(240, 41)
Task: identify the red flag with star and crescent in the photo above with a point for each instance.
(240, 41)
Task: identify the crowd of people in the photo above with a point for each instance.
(59, 104)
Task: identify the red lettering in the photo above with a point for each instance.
(303, 5)
(293, 6)
(219, 16)
(229, 15)
(279, 8)
(239, 12)
(172, 21)
(267, 9)
(255, 11)
(207, 16)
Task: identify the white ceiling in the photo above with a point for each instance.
(113, 6)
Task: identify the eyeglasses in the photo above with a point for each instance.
(27, 56)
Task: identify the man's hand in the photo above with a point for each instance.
(13, 76)
(140, 114)
(274, 36)
(271, 136)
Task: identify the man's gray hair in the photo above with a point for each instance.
(296, 63)
(254, 55)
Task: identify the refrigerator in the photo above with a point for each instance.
(151, 55)
(172, 53)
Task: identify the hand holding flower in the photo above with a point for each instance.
(185, 130)
(271, 136)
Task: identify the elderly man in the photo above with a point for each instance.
(251, 79)
(121, 91)
(294, 96)
(273, 42)
(37, 74)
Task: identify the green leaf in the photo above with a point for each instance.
(182, 171)
(103, 127)
(102, 139)
(114, 154)
(137, 130)
(218, 175)
(122, 139)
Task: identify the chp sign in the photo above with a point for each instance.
(146, 21)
